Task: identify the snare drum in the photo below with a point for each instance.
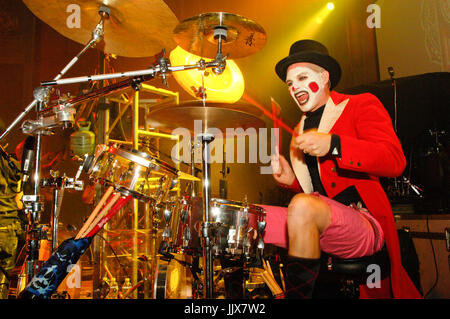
(237, 227)
(132, 172)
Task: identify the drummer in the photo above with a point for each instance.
(345, 143)
(12, 220)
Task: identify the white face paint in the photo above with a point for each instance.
(305, 86)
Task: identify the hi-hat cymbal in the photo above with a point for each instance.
(195, 117)
(188, 177)
(181, 175)
(135, 28)
(196, 35)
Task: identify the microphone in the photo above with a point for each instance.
(27, 157)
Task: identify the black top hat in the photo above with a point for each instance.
(313, 52)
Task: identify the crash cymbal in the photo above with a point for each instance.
(222, 116)
(135, 28)
(196, 35)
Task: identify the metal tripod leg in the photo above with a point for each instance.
(206, 227)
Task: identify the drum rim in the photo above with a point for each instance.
(259, 209)
(141, 158)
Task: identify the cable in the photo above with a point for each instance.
(435, 263)
(115, 255)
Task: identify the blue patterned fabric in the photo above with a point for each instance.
(55, 269)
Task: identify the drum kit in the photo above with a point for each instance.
(193, 231)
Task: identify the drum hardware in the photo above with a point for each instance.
(161, 70)
(61, 116)
(59, 184)
(206, 230)
(39, 94)
(223, 187)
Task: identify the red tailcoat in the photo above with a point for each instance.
(369, 148)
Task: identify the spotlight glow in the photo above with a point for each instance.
(330, 6)
(226, 87)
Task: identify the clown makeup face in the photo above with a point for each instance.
(307, 85)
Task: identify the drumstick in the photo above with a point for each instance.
(275, 114)
(102, 213)
(269, 269)
(271, 283)
(120, 203)
(95, 211)
(269, 115)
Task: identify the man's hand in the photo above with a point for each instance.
(282, 171)
(314, 143)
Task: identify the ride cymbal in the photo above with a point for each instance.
(222, 116)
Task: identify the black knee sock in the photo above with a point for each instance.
(301, 276)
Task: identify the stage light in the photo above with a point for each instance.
(227, 87)
(330, 6)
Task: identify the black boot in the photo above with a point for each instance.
(301, 276)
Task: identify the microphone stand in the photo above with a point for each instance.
(398, 184)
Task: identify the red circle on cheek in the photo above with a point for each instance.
(314, 87)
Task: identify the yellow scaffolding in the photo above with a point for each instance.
(136, 103)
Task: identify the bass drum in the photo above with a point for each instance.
(172, 279)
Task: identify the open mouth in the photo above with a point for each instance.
(302, 97)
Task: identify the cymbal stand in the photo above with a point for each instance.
(207, 227)
(220, 34)
(62, 116)
(97, 35)
(152, 71)
(59, 184)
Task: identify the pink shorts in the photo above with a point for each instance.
(352, 233)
